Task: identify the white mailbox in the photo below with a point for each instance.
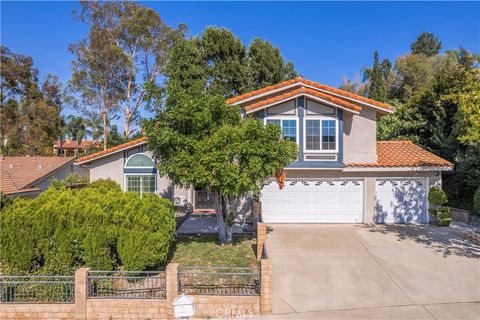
(184, 307)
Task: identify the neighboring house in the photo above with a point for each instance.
(71, 147)
(342, 175)
(28, 176)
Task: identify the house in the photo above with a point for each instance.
(71, 147)
(28, 176)
(342, 174)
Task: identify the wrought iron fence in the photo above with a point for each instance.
(222, 281)
(126, 284)
(37, 289)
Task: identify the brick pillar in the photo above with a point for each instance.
(261, 238)
(266, 286)
(81, 294)
(172, 287)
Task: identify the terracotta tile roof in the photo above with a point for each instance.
(72, 144)
(403, 154)
(19, 174)
(281, 96)
(111, 150)
(337, 94)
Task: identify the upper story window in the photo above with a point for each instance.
(288, 126)
(321, 135)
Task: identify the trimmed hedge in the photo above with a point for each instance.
(476, 201)
(100, 227)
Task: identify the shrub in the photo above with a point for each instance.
(476, 201)
(4, 200)
(100, 227)
(437, 196)
(105, 183)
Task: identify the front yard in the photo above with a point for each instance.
(205, 251)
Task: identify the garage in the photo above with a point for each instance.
(401, 201)
(313, 201)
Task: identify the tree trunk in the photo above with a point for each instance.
(105, 130)
(128, 120)
(219, 210)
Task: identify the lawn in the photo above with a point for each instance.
(205, 251)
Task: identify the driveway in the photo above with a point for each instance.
(321, 268)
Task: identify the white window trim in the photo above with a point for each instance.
(320, 118)
(139, 174)
(136, 154)
(285, 117)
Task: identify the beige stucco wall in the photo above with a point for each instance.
(111, 167)
(360, 136)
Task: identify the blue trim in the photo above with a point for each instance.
(317, 164)
(340, 135)
(140, 170)
(301, 115)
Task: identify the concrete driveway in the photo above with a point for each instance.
(418, 271)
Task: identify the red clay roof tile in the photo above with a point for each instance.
(112, 150)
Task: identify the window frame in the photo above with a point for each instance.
(125, 181)
(281, 118)
(320, 118)
(137, 154)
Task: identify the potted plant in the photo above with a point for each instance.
(437, 198)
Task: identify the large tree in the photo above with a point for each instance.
(141, 41)
(201, 141)
(220, 62)
(30, 108)
(426, 44)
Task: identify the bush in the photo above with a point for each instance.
(437, 196)
(100, 227)
(105, 183)
(476, 201)
(4, 200)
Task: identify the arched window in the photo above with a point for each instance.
(140, 174)
(140, 160)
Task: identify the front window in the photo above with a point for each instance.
(289, 128)
(141, 184)
(140, 174)
(320, 135)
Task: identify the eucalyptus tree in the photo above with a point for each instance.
(141, 41)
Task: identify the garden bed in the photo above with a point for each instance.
(205, 251)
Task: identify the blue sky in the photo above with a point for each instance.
(325, 40)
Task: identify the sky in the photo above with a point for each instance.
(325, 40)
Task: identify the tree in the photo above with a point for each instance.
(218, 61)
(356, 86)
(96, 72)
(426, 44)
(266, 65)
(201, 141)
(142, 41)
(30, 108)
(378, 77)
(76, 129)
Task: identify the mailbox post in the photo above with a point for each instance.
(183, 307)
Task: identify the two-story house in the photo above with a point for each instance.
(342, 174)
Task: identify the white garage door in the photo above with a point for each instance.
(333, 201)
(401, 201)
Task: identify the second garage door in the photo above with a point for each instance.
(317, 201)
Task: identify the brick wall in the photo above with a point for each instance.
(261, 238)
(112, 309)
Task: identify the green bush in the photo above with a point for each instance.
(437, 196)
(105, 183)
(100, 227)
(476, 201)
(4, 200)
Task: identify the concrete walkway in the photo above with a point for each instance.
(346, 271)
